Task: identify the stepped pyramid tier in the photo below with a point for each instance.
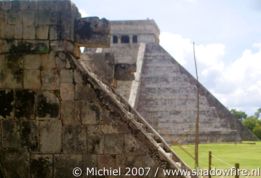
(161, 90)
(168, 97)
(55, 114)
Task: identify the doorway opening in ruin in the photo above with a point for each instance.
(114, 39)
(125, 39)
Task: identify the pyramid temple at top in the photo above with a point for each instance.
(159, 88)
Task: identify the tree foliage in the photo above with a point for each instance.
(238, 114)
(253, 123)
(257, 131)
(258, 113)
(250, 122)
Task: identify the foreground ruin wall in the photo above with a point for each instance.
(164, 92)
(54, 114)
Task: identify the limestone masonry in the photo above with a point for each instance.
(161, 90)
(55, 114)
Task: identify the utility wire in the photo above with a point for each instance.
(221, 160)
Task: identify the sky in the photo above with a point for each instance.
(227, 35)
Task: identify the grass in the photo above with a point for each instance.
(225, 155)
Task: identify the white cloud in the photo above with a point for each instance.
(247, 68)
(209, 57)
(244, 75)
(236, 84)
(83, 13)
(179, 47)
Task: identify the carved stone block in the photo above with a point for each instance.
(32, 79)
(74, 139)
(50, 136)
(50, 79)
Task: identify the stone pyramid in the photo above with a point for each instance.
(161, 90)
(168, 97)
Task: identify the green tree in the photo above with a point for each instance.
(250, 122)
(241, 115)
(258, 113)
(257, 131)
(253, 123)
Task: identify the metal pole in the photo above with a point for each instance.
(209, 163)
(237, 170)
(197, 118)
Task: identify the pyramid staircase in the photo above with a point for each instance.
(136, 121)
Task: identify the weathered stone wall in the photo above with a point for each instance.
(49, 20)
(102, 64)
(126, 58)
(123, 68)
(54, 114)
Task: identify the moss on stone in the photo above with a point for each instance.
(40, 168)
(22, 48)
(2, 170)
(45, 108)
(6, 103)
(17, 51)
(41, 48)
(24, 106)
(29, 137)
(14, 163)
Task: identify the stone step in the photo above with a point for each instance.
(158, 140)
(178, 164)
(139, 124)
(169, 155)
(160, 145)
